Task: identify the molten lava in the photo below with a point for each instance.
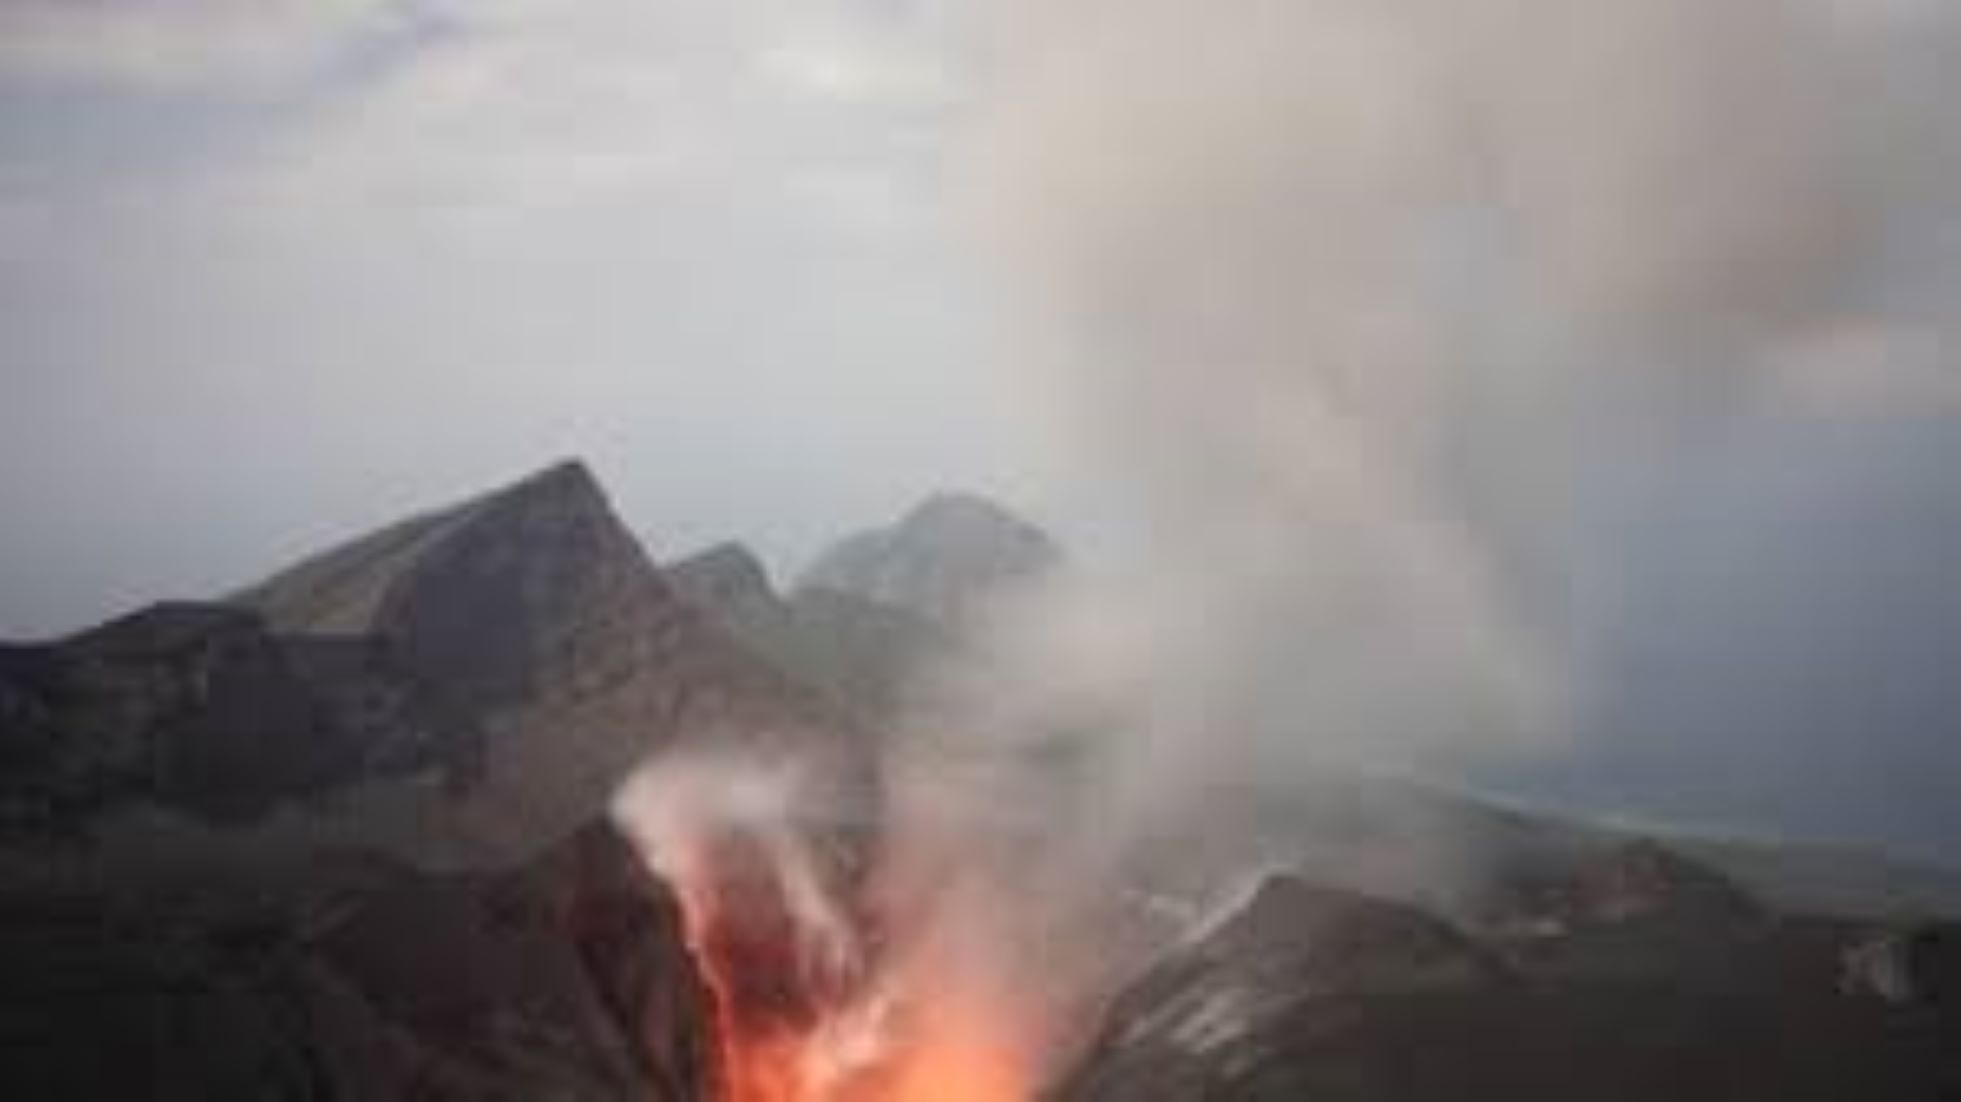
(956, 1061)
(804, 1014)
(816, 1000)
(963, 1064)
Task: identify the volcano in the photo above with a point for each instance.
(343, 833)
(481, 806)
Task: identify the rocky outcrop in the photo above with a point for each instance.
(1195, 1025)
(564, 979)
(201, 709)
(941, 561)
(876, 621)
(860, 654)
(729, 584)
(1304, 993)
(568, 978)
(1627, 910)
(536, 591)
(535, 609)
(629, 933)
(1914, 964)
(1633, 881)
(460, 690)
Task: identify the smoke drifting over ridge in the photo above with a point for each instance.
(1398, 313)
(1402, 319)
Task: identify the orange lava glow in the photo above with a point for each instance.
(816, 999)
(936, 1056)
(762, 1073)
(937, 1049)
(944, 1070)
(947, 1069)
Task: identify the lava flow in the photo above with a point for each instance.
(814, 1000)
(799, 1020)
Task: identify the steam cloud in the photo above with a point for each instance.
(1391, 307)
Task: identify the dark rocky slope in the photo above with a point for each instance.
(1637, 977)
(862, 655)
(359, 979)
(201, 709)
(344, 835)
(538, 611)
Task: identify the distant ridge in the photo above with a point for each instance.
(201, 709)
(942, 559)
(859, 653)
(460, 689)
(500, 598)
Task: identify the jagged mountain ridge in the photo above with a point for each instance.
(949, 554)
(730, 583)
(540, 611)
(201, 709)
(463, 690)
(359, 979)
(861, 654)
(512, 595)
(346, 831)
(459, 689)
(1646, 977)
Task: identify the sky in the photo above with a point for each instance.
(275, 272)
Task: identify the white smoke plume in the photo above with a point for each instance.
(1380, 304)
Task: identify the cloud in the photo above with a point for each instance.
(1387, 306)
(192, 46)
(865, 64)
(526, 106)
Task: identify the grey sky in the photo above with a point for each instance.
(272, 272)
(276, 271)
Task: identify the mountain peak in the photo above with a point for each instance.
(486, 595)
(566, 481)
(536, 612)
(720, 575)
(942, 558)
(962, 506)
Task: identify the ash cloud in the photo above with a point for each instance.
(1429, 334)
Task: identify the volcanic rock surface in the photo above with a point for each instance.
(200, 708)
(949, 554)
(357, 978)
(861, 654)
(1641, 978)
(536, 609)
(344, 835)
